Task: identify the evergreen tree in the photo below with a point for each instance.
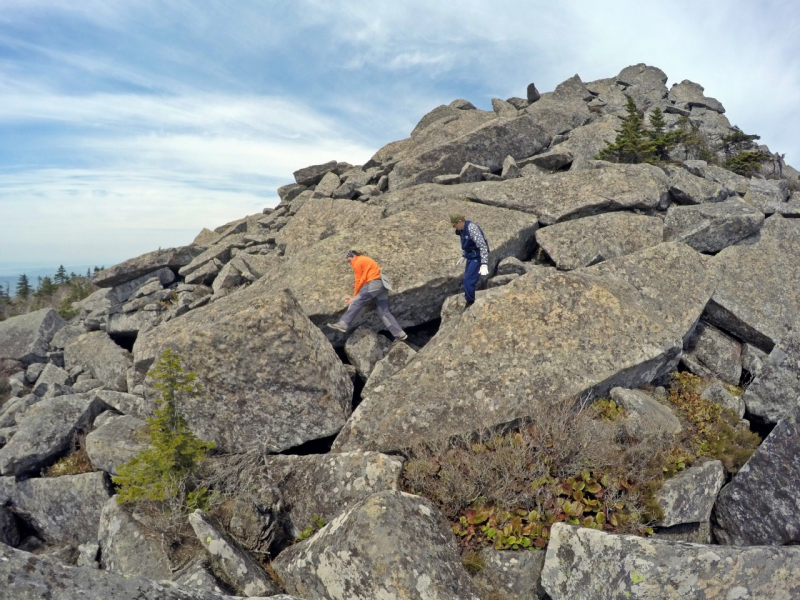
(61, 275)
(164, 470)
(742, 152)
(88, 273)
(46, 288)
(23, 287)
(631, 144)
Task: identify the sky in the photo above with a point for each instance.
(126, 126)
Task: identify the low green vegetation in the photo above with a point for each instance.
(580, 466)
(58, 292)
(167, 471)
(317, 523)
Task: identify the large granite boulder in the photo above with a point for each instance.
(50, 376)
(767, 195)
(172, 258)
(558, 116)
(127, 547)
(758, 295)
(488, 145)
(391, 545)
(724, 177)
(585, 142)
(416, 249)
(720, 355)
(645, 84)
(241, 569)
(98, 353)
(586, 564)
(591, 240)
(262, 363)
(397, 358)
(686, 188)
(320, 218)
(690, 495)
(128, 404)
(564, 196)
(532, 343)
(25, 576)
(313, 175)
(775, 389)
(688, 94)
(26, 338)
(762, 503)
(327, 485)
(712, 227)
(116, 442)
(364, 348)
(512, 575)
(45, 431)
(62, 509)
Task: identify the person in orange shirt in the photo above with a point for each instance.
(368, 286)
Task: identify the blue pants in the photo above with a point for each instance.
(471, 277)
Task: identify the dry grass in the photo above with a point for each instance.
(75, 462)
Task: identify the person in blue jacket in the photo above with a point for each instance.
(475, 249)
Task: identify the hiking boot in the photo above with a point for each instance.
(336, 327)
(469, 304)
(402, 337)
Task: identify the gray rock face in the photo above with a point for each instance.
(563, 196)
(319, 218)
(572, 89)
(240, 568)
(775, 390)
(391, 545)
(503, 108)
(24, 576)
(689, 94)
(487, 145)
(686, 188)
(724, 177)
(26, 338)
(767, 195)
(515, 575)
(587, 241)
(586, 564)
(762, 504)
(694, 533)
(327, 185)
(716, 393)
(712, 227)
(9, 532)
(313, 175)
(437, 114)
(197, 575)
(397, 358)
(364, 348)
(548, 161)
(115, 443)
(45, 431)
(50, 375)
(417, 251)
(471, 173)
(287, 193)
(282, 367)
(128, 404)
(646, 415)
(33, 371)
(515, 363)
(16, 407)
(126, 548)
(758, 296)
(721, 355)
(62, 509)
(689, 496)
(643, 83)
(107, 362)
(583, 143)
(172, 258)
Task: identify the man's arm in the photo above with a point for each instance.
(480, 241)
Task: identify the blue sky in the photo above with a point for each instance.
(131, 125)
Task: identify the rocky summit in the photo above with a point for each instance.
(614, 416)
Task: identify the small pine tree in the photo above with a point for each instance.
(23, 287)
(741, 152)
(631, 144)
(165, 469)
(46, 288)
(61, 275)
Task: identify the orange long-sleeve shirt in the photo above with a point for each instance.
(365, 270)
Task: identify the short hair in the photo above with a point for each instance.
(352, 253)
(456, 217)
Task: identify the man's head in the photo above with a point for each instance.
(457, 220)
(351, 254)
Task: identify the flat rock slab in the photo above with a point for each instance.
(172, 258)
(98, 353)
(587, 241)
(62, 509)
(515, 575)
(24, 576)
(563, 196)
(762, 503)
(391, 545)
(686, 188)
(126, 548)
(775, 389)
(717, 352)
(45, 431)
(416, 249)
(262, 363)
(586, 564)
(689, 496)
(242, 570)
(517, 351)
(116, 442)
(327, 485)
(26, 338)
(645, 414)
(712, 227)
(758, 295)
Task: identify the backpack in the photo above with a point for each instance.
(386, 283)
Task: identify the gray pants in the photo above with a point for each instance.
(372, 290)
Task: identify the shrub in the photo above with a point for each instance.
(167, 470)
(636, 144)
(74, 463)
